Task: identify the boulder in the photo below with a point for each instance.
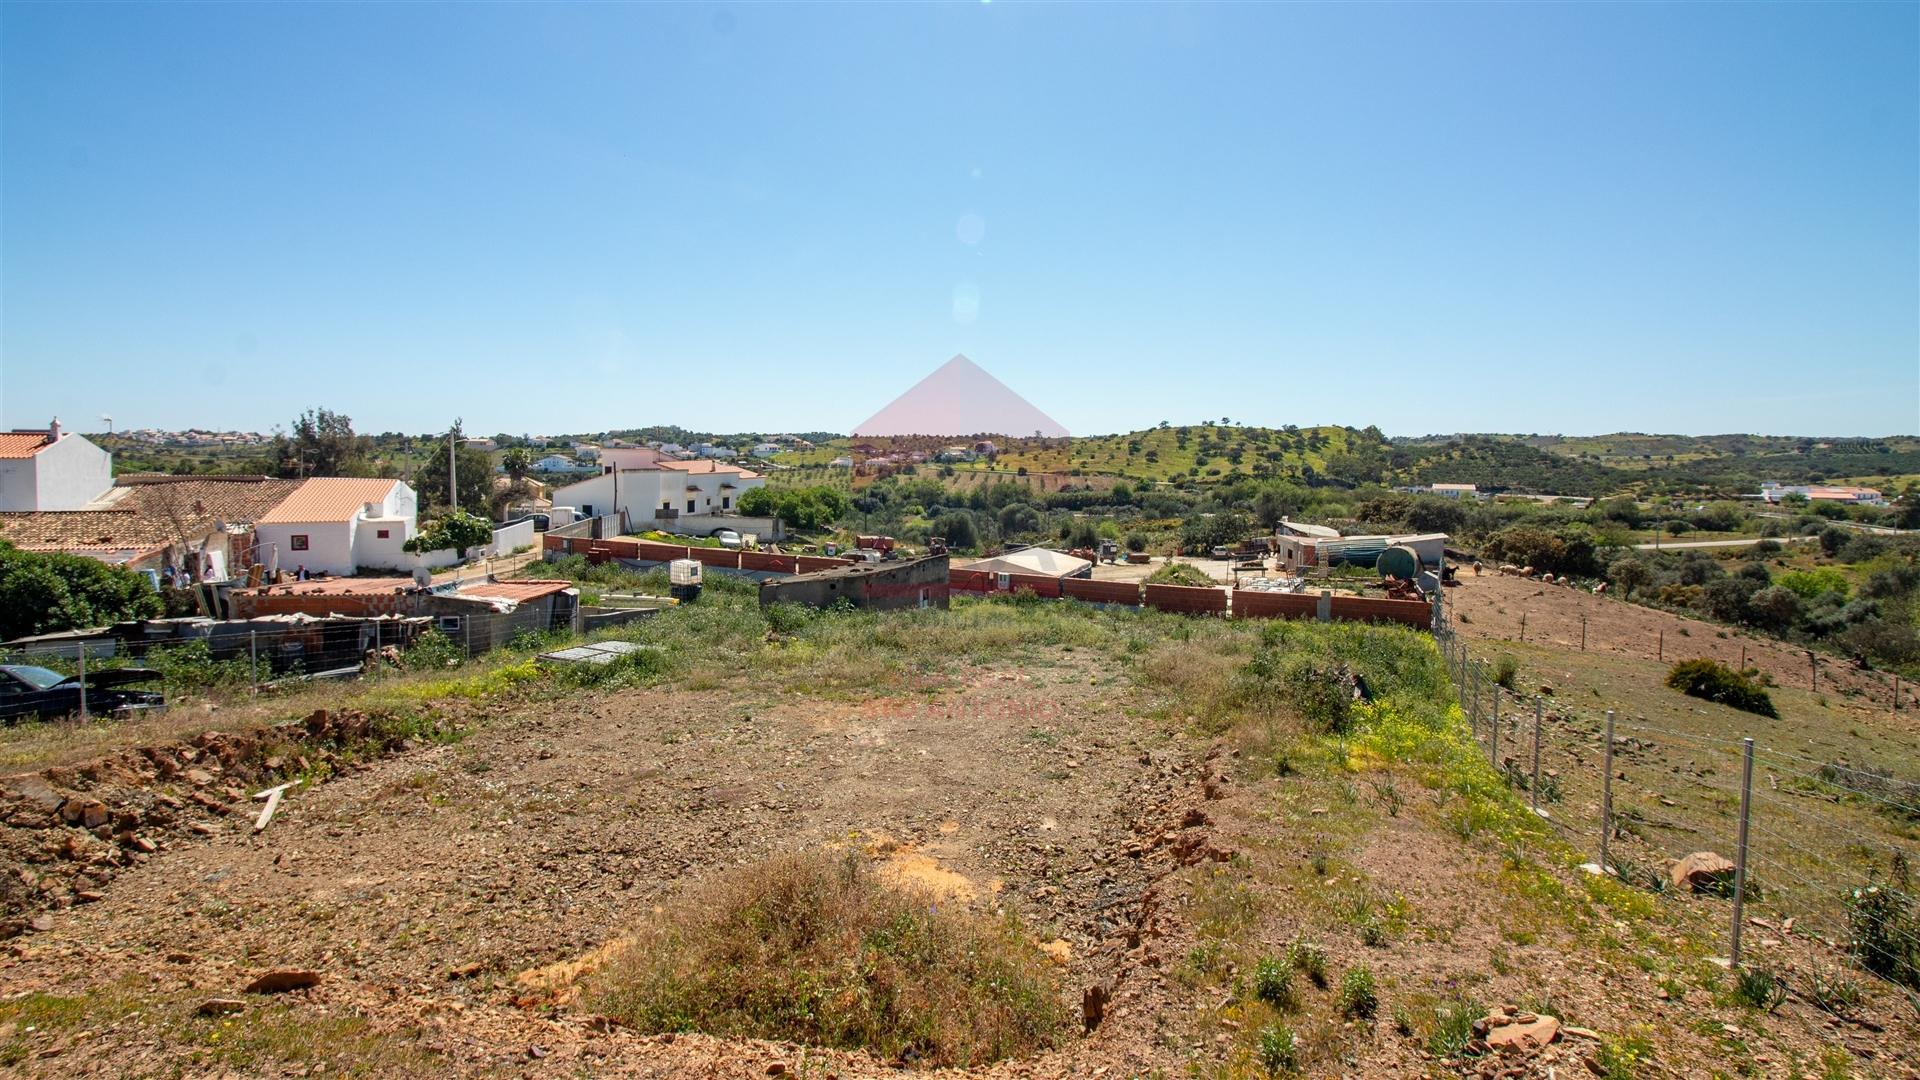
(1700, 870)
(1522, 1035)
(281, 980)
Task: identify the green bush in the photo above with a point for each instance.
(1179, 573)
(1357, 996)
(1716, 682)
(1505, 669)
(431, 651)
(51, 591)
(456, 529)
(1884, 934)
(1278, 1050)
(1759, 988)
(1309, 960)
(1273, 982)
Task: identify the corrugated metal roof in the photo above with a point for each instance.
(327, 498)
(1032, 561)
(22, 444)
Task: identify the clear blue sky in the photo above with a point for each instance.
(1433, 217)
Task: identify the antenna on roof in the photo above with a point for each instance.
(109, 421)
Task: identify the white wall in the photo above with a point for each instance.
(370, 551)
(65, 476)
(329, 546)
(17, 490)
(519, 534)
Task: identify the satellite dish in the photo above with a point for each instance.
(422, 577)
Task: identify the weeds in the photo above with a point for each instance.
(1452, 1027)
(1309, 960)
(1833, 992)
(1759, 988)
(1277, 1050)
(1273, 982)
(1358, 999)
(1884, 934)
(819, 950)
(1622, 1058)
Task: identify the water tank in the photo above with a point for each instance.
(1399, 561)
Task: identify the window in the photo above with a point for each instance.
(297, 542)
(690, 503)
(382, 533)
(726, 502)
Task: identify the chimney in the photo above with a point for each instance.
(53, 431)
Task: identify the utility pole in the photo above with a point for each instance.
(453, 488)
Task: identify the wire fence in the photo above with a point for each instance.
(249, 657)
(1593, 626)
(1819, 852)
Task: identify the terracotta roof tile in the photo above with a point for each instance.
(327, 498)
(148, 515)
(22, 444)
(518, 591)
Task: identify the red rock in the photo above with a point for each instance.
(1700, 870)
(221, 1007)
(1524, 1037)
(281, 980)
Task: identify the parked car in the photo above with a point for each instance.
(30, 692)
(727, 537)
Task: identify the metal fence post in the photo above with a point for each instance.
(466, 631)
(253, 657)
(1606, 793)
(1533, 788)
(1493, 730)
(1740, 855)
(83, 681)
(1583, 633)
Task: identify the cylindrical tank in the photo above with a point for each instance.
(1399, 561)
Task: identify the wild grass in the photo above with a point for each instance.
(819, 950)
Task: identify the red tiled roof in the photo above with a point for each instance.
(518, 591)
(327, 498)
(708, 465)
(23, 444)
(148, 515)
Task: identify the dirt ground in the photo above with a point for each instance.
(444, 892)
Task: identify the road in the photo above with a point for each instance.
(1678, 545)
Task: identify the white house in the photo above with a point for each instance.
(51, 470)
(766, 449)
(337, 525)
(663, 494)
(555, 463)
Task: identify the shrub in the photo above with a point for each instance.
(1136, 542)
(1714, 681)
(432, 650)
(1309, 960)
(1884, 934)
(1273, 982)
(1357, 996)
(50, 591)
(819, 950)
(1504, 671)
(1179, 573)
(455, 529)
(1453, 1025)
(1278, 1049)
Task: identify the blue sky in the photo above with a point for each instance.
(543, 218)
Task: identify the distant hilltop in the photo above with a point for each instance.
(960, 398)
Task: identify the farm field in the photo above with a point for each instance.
(1116, 784)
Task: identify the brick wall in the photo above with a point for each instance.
(1102, 592)
(1187, 599)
